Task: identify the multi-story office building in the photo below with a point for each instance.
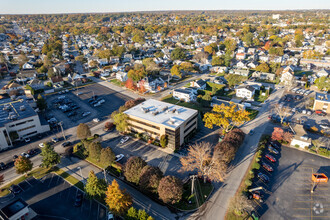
(18, 120)
(155, 118)
(322, 102)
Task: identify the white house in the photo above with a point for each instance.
(184, 94)
(199, 84)
(241, 72)
(288, 78)
(240, 56)
(264, 76)
(300, 138)
(245, 92)
(121, 76)
(323, 72)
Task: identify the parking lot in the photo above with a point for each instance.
(75, 107)
(53, 198)
(288, 193)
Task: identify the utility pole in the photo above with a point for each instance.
(105, 176)
(62, 130)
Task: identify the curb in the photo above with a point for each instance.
(303, 150)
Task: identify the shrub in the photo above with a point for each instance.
(256, 166)
(248, 182)
(297, 145)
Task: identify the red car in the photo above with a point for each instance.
(267, 167)
(270, 158)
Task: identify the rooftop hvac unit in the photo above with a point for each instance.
(6, 107)
(155, 112)
(22, 108)
(165, 108)
(174, 110)
(145, 110)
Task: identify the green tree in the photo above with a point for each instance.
(83, 131)
(132, 214)
(107, 157)
(49, 156)
(120, 120)
(190, 41)
(323, 83)
(248, 39)
(218, 61)
(23, 165)
(178, 54)
(94, 150)
(41, 102)
(117, 200)
(176, 71)
(138, 38)
(233, 79)
(264, 67)
(163, 141)
(94, 186)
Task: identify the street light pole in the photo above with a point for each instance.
(62, 130)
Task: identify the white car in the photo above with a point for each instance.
(293, 110)
(85, 114)
(96, 120)
(124, 139)
(97, 104)
(119, 157)
(322, 126)
(27, 140)
(41, 145)
(110, 216)
(102, 101)
(25, 155)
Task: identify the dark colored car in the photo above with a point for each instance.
(275, 144)
(267, 167)
(66, 144)
(3, 166)
(272, 150)
(263, 177)
(251, 132)
(15, 189)
(15, 157)
(31, 152)
(78, 200)
(72, 114)
(270, 158)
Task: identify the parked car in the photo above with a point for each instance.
(3, 166)
(119, 157)
(55, 140)
(15, 189)
(80, 93)
(32, 152)
(124, 139)
(275, 144)
(267, 167)
(78, 200)
(110, 216)
(263, 177)
(251, 132)
(270, 158)
(321, 113)
(96, 120)
(272, 150)
(97, 104)
(324, 126)
(102, 101)
(86, 113)
(25, 155)
(66, 144)
(72, 114)
(41, 145)
(15, 157)
(27, 140)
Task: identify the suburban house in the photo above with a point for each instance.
(151, 84)
(199, 84)
(241, 72)
(322, 102)
(245, 92)
(184, 94)
(240, 56)
(121, 76)
(219, 69)
(36, 84)
(323, 72)
(57, 80)
(27, 66)
(155, 119)
(300, 137)
(25, 75)
(287, 77)
(264, 76)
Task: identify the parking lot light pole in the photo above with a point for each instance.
(60, 123)
(81, 173)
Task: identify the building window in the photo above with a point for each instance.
(144, 123)
(23, 129)
(192, 125)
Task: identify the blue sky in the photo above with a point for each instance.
(80, 6)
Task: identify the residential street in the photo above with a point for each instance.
(216, 206)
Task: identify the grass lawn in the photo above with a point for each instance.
(67, 177)
(253, 113)
(302, 72)
(261, 98)
(116, 82)
(203, 191)
(93, 161)
(36, 173)
(170, 99)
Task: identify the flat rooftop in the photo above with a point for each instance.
(322, 97)
(15, 110)
(160, 112)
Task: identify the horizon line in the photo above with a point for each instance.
(178, 10)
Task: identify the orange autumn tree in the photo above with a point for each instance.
(117, 200)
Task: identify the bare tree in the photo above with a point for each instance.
(281, 111)
(200, 158)
(240, 204)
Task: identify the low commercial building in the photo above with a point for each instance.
(17, 209)
(155, 118)
(322, 102)
(18, 120)
(300, 137)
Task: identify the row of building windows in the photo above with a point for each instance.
(26, 128)
(143, 129)
(190, 120)
(192, 125)
(144, 123)
(20, 123)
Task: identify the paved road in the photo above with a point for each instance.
(217, 205)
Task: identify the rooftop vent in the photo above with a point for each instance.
(22, 108)
(165, 108)
(155, 112)
(172, 121)
(6, 108)
(174, 110)
(145, 110)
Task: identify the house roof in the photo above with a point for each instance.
(56, 79)
(248, 87)
(185, 91)
(13, 85)
(201, 82)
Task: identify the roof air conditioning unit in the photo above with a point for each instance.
(22, 108)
